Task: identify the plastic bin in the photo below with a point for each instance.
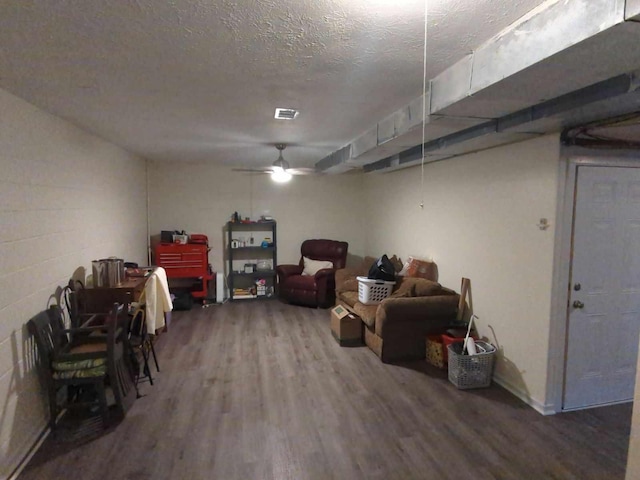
(471, 371)
(371, 292)
(448, 340)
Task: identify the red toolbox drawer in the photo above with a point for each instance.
(183, 261)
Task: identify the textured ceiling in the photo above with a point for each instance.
(199, 80)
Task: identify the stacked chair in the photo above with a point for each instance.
(84, 361)
(81, 303)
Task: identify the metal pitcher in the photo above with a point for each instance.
(100, 273)
(108, 272)
(115, 267)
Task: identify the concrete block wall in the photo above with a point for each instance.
(66, 197)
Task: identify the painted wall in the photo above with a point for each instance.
(66, 197)
(480, 221)
(201, 198)
(633, 456)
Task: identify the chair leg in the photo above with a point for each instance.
(53, 409)
(146, 369)
(153, 352)
(102, 399)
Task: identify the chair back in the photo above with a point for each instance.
(329, 250)
(138, 324)
(119, 364)
(71, 347)
(69, 300)
(45, 328)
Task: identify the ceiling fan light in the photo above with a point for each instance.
(280, 176)
(281, 163)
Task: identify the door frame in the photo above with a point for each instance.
(570, 159)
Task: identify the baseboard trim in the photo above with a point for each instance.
(543, 409)
(29, 454)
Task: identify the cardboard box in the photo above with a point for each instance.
(346, 327)
(435, 351)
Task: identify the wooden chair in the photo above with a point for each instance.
(82, 364)
(69, 302)
(140, 340)
(85, 302)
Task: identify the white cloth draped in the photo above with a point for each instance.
(157, 299)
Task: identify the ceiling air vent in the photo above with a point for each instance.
(286, 113)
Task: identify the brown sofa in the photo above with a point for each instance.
(396, 328)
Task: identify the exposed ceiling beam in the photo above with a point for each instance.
(560, 57)
(574, 108)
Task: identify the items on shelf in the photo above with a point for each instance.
(237, 218)
(250, 261)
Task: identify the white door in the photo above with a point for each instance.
(604, 302)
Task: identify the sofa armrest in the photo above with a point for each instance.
(325, 273)
(326, 284)
(346, 280)
(422, 315)
(285, 271)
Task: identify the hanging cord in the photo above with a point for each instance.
(146, 175)
(251, 196)
(424, 101)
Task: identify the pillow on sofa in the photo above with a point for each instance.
(311, 266)
(414, 267)
(425, 288)
(416, 287)
(397, 263)
(350, 285)
(346, 280)
(404, 287)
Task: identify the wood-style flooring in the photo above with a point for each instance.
(260, 390)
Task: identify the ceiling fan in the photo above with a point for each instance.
(280, 170)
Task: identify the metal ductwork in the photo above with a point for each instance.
(565, 62)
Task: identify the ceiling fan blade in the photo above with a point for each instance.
(303, 171)
(253, 170)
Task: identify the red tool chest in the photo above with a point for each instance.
(185, 261)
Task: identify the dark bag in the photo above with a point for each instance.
(183, 301)
(382, 269)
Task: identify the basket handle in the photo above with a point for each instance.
(466, 338)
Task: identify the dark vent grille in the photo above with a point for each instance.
(286, 113)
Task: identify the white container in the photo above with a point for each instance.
(181, 239)
(372, 292)
(264, 265)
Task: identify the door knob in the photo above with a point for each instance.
(577, 287)
(578, 304)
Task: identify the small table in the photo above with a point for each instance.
(101, 299)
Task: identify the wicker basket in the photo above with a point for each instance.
(471, 371)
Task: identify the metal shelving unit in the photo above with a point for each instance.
(244, 252)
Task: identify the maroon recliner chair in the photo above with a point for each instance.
(317, 290)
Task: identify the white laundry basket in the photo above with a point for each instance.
(371, 292)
